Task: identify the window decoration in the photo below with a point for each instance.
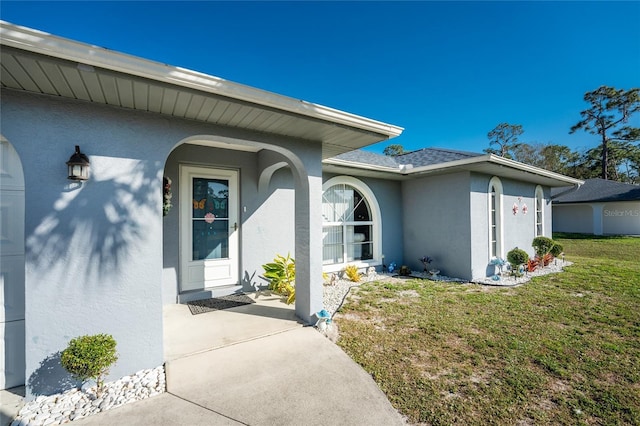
(199, 205)
(520, 206)
(210, 218)
(166, 196)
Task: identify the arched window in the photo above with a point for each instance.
(495, 217)
(351, 224)
(539, 211)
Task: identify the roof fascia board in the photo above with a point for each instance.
(47, 44)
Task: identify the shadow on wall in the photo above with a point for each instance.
(50, 377)
(98, 221)
(251, 283)
(92, 234)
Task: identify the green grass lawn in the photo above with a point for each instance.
(563, 348)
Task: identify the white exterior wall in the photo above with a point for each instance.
(621, 218)
(518, 230)
(576, 218)
(93, 250)
(436, 224)
(607, 218)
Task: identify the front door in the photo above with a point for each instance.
(209, 227)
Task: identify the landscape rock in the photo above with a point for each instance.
(75, 404)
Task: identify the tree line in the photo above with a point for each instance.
(615, 157)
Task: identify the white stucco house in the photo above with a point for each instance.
(599, 207)
(253, 173)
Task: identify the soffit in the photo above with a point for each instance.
(191, 97)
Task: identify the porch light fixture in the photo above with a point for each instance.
(78, 165)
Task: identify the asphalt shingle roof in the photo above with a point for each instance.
(418, 158)
(594, 190)
(371, 158)
(429, 156)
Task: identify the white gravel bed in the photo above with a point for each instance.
(334, 294)
(76, 404)
(507, 280)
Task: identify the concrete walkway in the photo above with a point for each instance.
(11, 401)
(273, 372)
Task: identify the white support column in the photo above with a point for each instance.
(308, 221)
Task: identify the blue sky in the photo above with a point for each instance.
(448, 72)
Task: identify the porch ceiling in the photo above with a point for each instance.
(41, 63)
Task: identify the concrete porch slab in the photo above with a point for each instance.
(255, 365)
(187, 334)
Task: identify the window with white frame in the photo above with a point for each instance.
(350, 224)
(539, 211)
(495, 217)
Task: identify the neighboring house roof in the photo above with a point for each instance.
(38, 62)
(596, 190)
(436, 161)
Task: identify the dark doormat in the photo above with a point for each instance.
(218, 303)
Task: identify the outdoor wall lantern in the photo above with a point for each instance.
(78, 166)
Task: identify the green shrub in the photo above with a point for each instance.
(281, 274)
(89, 357)
(517, 257)
(556, 250)
(542, 245)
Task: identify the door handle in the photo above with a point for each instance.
(235, 226)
